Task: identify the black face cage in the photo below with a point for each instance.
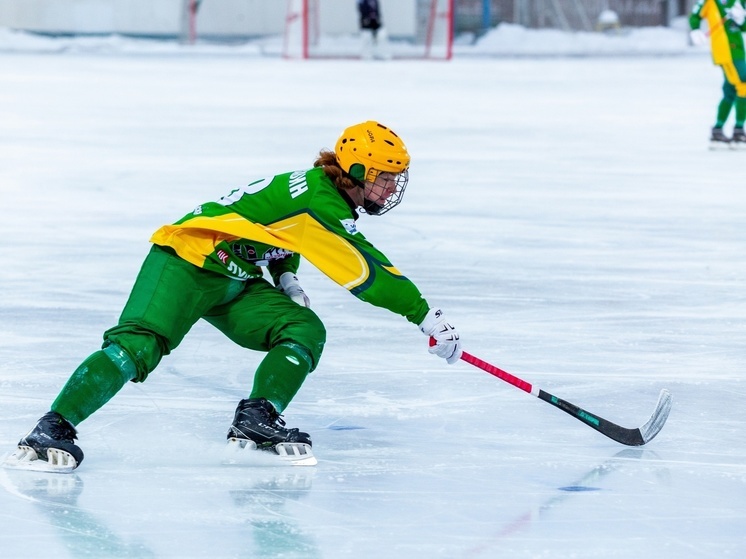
(372, 208)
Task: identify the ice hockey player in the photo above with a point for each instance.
(211, 264)
(372, 31)
(726, 21)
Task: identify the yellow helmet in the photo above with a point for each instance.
(364, 150)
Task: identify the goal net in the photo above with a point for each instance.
(331, 29)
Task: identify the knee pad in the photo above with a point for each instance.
(122, 361)
(729, 91)
(301, 352)
(305, 334)
(144, 349)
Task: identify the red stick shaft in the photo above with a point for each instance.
(496, 371)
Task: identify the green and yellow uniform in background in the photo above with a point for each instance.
(727, 46)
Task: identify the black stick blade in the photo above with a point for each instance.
(623, 435)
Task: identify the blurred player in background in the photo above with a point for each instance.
(374, 36)
(725, 19)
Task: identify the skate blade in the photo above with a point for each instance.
(721, 146)
(298, 454)
(25, 458)
(292, 454)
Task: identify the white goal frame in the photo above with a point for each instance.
(412, 29)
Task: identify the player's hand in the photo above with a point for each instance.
(290, 286)
(697, 37)
(444, 338)
(736, 13)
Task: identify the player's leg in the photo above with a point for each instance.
(718, 137)
(168, 297)
(739, 137)
(293, 337)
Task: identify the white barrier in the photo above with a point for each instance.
(216, 18)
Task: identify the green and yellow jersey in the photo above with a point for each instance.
(273, 221)
(725, 36)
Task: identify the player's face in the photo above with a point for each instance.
(380, 190)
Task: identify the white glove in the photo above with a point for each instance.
(290, 286)
(697, 37)
(736, 13)
(447, 343)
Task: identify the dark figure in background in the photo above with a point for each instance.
(370, 16)
(374, 39)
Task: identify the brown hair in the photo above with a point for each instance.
(328, 161)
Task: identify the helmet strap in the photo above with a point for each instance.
(357, 174)
(371, 208)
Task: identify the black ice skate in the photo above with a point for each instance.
(718, 140)
(48, 447)
(739, 138)
(257, 425)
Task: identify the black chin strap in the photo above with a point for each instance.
(371, 207)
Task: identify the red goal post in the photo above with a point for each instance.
(414, 29)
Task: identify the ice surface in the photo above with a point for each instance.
(566, 214)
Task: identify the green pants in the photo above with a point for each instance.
(171, 295)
